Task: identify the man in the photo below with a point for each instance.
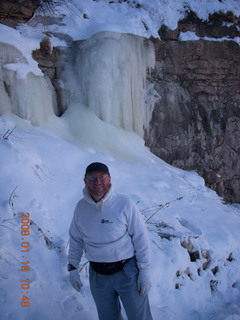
(109, 228)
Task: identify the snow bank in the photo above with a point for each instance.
(195, 238)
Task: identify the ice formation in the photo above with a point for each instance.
(29, 96)
(107, 73)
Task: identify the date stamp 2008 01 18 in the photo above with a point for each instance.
(25, 265)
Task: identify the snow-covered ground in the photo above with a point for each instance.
(195, 237)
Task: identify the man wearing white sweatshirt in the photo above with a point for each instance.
(109, 229)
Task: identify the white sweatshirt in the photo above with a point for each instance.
(109, 230)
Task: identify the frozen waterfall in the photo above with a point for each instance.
(107, 73)
(24, 90)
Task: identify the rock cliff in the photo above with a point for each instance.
(13, 12)
(196, 120)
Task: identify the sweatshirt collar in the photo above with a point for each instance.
(100, 204)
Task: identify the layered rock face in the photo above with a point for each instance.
(196, 121)
(13, 12)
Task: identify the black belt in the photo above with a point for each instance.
(108, 268)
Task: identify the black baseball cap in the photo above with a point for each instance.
(96, 167)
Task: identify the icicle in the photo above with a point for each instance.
(28, 95)
(31, 98)
(108, 75)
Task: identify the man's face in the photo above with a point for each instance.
(98, 184)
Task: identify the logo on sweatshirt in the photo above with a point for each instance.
(105, 221)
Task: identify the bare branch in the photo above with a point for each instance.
(159, 207)
(12, 195)
(8, 133)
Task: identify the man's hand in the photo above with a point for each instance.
(144, 281)
(75, 280)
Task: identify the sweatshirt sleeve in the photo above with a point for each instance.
(139, 234)
(76, 244)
